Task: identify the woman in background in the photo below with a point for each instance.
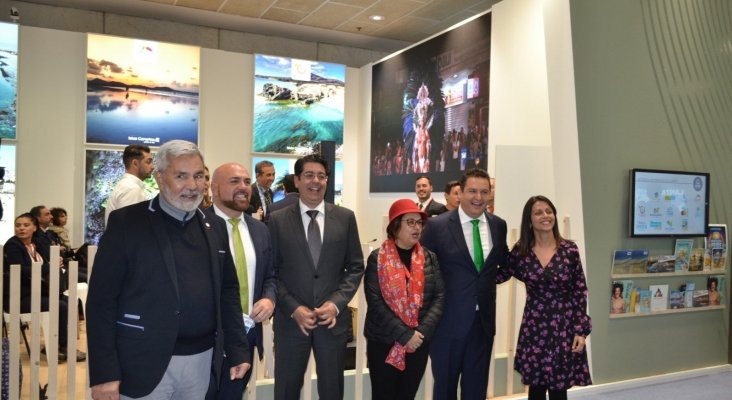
(405, 296)
(21, 250)
(206, 202)
(550, 354)
(59, 220)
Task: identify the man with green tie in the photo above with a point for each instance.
(470, 244)
(250, 244)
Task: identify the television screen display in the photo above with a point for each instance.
(668, 203)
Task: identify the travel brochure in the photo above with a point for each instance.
(627, 298)
(685, 258)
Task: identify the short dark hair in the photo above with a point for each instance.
(424, 177)
(30, 216)
(393, 228)
(450, 185)
(716, 283)
(260, 165)
(311, 158)
(56, 214)
(617, 286)
(134, 152)
(36, 212)
(474, 173)
(288, 183)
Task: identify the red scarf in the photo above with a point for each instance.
(402, 290)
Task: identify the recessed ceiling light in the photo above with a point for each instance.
(377, 18)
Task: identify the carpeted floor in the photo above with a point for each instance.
(713, 386)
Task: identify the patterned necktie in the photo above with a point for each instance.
(314, 241)
(478, 259)
(420, 205)
(240, 259)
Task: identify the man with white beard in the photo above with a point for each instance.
(164, 298)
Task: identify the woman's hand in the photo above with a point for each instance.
(578, 345)
(415, 341)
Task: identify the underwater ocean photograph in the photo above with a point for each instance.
(297, 103)
(8, 79)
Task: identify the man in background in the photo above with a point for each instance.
(423, 189)
(291, 194)
(262, 190)
(130, 190)
(470, 243)
(44, 238)
(452, 195)
(252, 249)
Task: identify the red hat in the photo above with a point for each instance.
(404, 206)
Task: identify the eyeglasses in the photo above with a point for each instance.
(310, 175)
(412, 222)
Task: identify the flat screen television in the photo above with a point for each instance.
(668, 203)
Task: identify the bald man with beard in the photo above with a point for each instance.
(231, 187)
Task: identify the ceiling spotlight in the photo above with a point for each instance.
(377, 18)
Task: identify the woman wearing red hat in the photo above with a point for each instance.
(405, 296)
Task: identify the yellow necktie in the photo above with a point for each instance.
(240, 259)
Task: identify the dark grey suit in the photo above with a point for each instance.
(301, 283)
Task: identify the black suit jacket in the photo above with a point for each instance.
(14, 252)
(464, 286)
(133, 300)
(255, 201)
(434, 208)
(265, 284)
(290, 199)
(336, 277)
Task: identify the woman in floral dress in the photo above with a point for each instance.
(550, 355)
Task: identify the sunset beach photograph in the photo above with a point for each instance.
(141, 92)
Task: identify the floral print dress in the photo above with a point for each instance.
(556, 304)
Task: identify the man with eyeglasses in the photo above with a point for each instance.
(319, 265)
(470, 243)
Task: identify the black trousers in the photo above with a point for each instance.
(539, 393)
(387, 382)
(63, 316)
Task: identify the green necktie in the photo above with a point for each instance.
(478, 259)
(240, 259)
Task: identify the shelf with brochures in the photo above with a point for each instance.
(667, 274)
(664, 312)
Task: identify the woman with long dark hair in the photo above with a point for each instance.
(550, 355)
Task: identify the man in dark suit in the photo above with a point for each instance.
(261, 197)
(319, 265)
(291, 195)
(44, 238)
(163, 299)
(470, 244)
(423, 189)
(231, 188)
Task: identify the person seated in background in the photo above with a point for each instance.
(59, 218)
(43, 237)
(22, 250)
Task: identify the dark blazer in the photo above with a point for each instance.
(133, 301)
(265, 284)
(435, 208)
(382, 324)
(464, 287)
(290, 199)
(255, 201)
(336, 277)
(14, 252)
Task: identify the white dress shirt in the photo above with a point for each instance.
(485, 234)
(251, 255)
(129, 190)
(320, 217)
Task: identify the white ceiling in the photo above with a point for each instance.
(338, 21)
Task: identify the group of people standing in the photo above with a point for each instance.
(178, 293)
(431, 290)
